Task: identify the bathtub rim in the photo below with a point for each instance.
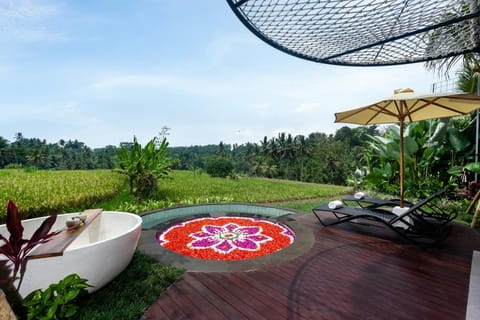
(67, 249)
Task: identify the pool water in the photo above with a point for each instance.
(230, 246)
(153, 219)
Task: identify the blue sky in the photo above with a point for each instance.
(104, 71)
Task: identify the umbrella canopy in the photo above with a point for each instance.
(408, 106)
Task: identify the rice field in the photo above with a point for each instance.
(42, 192)
(188, 186)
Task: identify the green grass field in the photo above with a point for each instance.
(186, 185)
(39, 193)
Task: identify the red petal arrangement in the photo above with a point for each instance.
(226, 238)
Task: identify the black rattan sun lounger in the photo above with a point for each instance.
(371, 203)
(423, 220)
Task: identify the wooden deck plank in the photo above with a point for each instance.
(198, 302)
(272, 298)
(171, 305)
(244, 292)
(156, 312)
(247, 308)
(213, 298)
(347, 274)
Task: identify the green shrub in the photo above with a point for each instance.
(57, 301)
(14, 166)
(218, 167)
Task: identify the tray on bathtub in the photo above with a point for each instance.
(58, 244)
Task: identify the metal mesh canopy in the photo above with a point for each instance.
(364, 32)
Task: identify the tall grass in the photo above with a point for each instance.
(42, 192)
(186, 185)
(39, 193)
(187, 188)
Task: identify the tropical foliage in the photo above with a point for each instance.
(318, 157)
(431, 150)
(71, 154)
(144, 166)
(442, 38)
(58, 301)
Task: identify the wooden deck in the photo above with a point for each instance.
(347, 274)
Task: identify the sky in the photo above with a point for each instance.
(105, 71)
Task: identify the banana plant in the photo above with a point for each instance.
(144, 166)
(430, 149)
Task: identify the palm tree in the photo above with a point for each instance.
(468, 77)
(302, 153)
(19, 137)
(439, 39)
(36, 158)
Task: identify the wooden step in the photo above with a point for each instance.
(58, 243)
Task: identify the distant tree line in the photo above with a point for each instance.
(318, 157)
(63, 155)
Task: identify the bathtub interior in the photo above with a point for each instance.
(107, 226)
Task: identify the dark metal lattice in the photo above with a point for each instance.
(364, 32)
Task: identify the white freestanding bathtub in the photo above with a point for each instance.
(98, 254)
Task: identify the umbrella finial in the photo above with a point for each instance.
(403, 90)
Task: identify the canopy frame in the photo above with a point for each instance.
(364, 32)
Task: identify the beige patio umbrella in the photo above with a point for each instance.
(407, 106)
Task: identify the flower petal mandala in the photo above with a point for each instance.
(226, 238)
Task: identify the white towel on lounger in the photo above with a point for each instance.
(335, 204)
(359, 195)
(400, 224)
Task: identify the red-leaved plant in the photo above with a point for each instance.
(16, 248)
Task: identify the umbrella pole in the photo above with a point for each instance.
(401, 163)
